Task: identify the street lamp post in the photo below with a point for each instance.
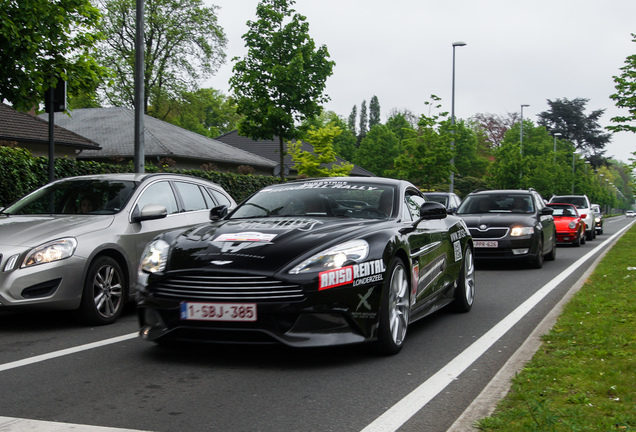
(452, 174)
(555, 135)
(521, 131)
(573, 154)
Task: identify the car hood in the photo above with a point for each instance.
(261, 245)
(489, 220)
(29, 231)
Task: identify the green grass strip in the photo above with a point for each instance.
(583, 378)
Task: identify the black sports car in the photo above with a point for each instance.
(309, 263)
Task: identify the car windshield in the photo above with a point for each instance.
(563, 210)
(579, 202)
(77, 196)
(496, 203)
(442, 199)
(321, 199)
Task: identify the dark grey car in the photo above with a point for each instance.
(510, 225)
(75, 243)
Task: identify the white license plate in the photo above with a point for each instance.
(218, 311)
(486, 244)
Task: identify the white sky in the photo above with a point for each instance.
(517, 52)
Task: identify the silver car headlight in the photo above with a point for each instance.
(52, 251)
(521, 231)
(572, 225)
(334, 257)
(155, 256)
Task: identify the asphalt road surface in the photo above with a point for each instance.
(57, 375)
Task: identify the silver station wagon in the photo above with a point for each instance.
(75, 243)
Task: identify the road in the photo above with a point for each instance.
(53, 370)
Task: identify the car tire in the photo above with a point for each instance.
(537, 262)
(579, 241)
(589, 235)
(465, 291)
(551, 256)
(394, 309)
(104, 292)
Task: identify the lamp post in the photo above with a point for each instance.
(573, 154)
(556, 135)
(452, 174)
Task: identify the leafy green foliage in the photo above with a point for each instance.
(316, 163)
(281, 79)
(568, 118)
(374, 112)
(625, 96)
(41, 39)
(378, 150)
(183, 44)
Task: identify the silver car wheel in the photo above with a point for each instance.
(108, 291)
(469, 276)
(398, 304)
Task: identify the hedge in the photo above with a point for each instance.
(21, 173)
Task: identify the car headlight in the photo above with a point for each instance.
(52, 251)
(572, 225)
(521, 231)
(598, 219)
(155, 256)
(334, 257)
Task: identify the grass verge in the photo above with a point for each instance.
(583, 378)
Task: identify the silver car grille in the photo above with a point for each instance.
(489, 233)
(227, 288)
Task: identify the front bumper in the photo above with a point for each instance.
(523, 248)
(333, 317)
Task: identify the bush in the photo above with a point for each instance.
(21, 173)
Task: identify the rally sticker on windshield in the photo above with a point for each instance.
(245, 237)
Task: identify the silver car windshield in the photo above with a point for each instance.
(329, 199)
(75, 197)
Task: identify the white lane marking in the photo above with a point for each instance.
(60, 353)
(406, 408)
(8, 424)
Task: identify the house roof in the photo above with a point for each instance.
(114, 129)
(17, 126)
(270, 149)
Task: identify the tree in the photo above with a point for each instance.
(625, 96)
(567, 117)
(363, 120)
(183, 44)
(352, 119)
(399, 125)
(281, 79)
(374, 112)
(316, 163)
(206, 111)
(494, 126)
(41, 39)
(378, 149)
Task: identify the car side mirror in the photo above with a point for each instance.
(218, 212)
(431, 211)
(547, 211)
(150, 212)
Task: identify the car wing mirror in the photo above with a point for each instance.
(431, 211)
(547, 211)
(150, 212)
(218, 212)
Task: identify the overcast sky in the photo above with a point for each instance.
(517, 52)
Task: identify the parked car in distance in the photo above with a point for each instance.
(450, 200)
(584, 207)
(510, 225)
(74, 244)
(569, 225)
(598, 218)
(630, 213)
(309, 263)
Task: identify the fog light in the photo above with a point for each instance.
(520, 251)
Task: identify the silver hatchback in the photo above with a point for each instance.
(75, 243)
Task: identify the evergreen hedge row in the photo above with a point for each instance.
(21, 173)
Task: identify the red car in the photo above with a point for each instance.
(570, 227)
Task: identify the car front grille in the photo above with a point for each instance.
(489, 233)
(227, 288)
